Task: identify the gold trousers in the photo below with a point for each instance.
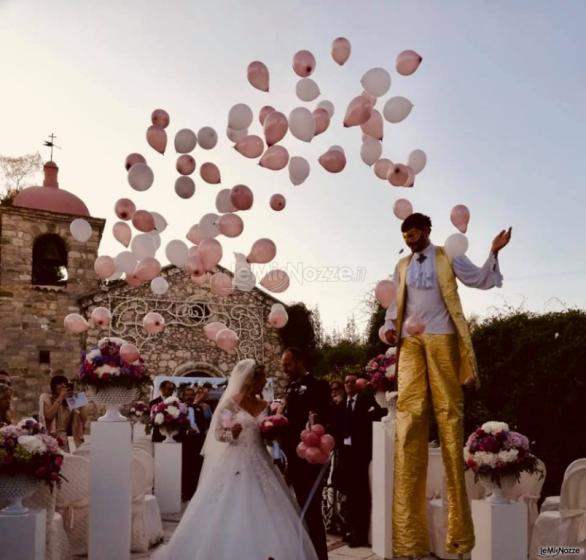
(428, 367)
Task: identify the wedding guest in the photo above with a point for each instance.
(5, 405)
(337, 391)
(202, 394)
(167, 388)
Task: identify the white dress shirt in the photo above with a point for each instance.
(352, 402)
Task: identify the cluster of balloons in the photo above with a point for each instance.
(315, 445)
(225, 338)
(100, 317)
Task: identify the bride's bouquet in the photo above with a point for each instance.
(272, 428)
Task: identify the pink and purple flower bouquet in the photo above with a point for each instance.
(382, 371)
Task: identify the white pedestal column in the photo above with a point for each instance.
(501, 531)
(22, 537)
(110, 491)
(168, 477)
(383, 458)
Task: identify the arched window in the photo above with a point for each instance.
(49, 261)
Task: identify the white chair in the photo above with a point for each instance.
(566, 527)
(552, 503)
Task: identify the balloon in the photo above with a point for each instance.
(402, 208)
(131, 159)
(460, 216)
(157, 138)
(303, 63)
(230, 225)
(208, 226)
(200, 279)
(210, 253)
(328, 106)
(236, 135)
(275, 281)
(318, 429)
(122, 233)
(263, 251)
(322, 120)
(417, 160)
(410, 178)
(80, 230)
(307, 89)
(298, 170)
(143, 245)
(361, 384)
(227, 340)
(333, 161)
(301, 449)
(101, 316)
(240, 116)
(407, 62)
(278, 202)
(185, 141)
(176, 251)
(264, 113)
(327, 443)
(275, 158)
(185, 164)
(250, 146)
(124, 208)
(258, 75)
(341, 50)
(143, 221)
(207, 137)
(371, 151)
(74, 323)
(385, 293)
(244, 278)
(193, 234)
(311, 439)
(397, 109)
(278, 318)
(359, 111)
(160, 222)
(210, 173)
(399, 175)
(221, 284)
(194, 265)
(381, 335)
(456, 245)
(302, 124)
(129, 353)
(140, 177)
(160, 118)
(275, 127)
(383, 167)
(212, 329)
(104, 267)
(372, 99)
(376, 81)
(241, 197)
(133, 280)
(154, 235)
(153, 322)
(223, 203)
(414, 326)
(147, 269)
(374, 126)
(159, 286)
(125, 262)
(184, 187)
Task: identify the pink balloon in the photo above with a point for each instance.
(313, 455)
(275, 127)
(371, 98)
(414, 326)
(157, 139)
(322, 120)
(264, 113)
(383, 168)
(227, 340)
(129, 353)
(125, 208)
(402, 208)
(385, 292)
(275, 281)
(122, 233)
(210, 173)
(359, 111)
(210, 253)
(374, 126)
(278, 318)
(148, 268)
(184, 187)
(460, 216)
(200, 279)
(301, 450)
(318, 429)
(250, 146)
(304, 434)
(241, 197)
(104, 267)
(311, 439)
(303, 63)
(230, 225)
(278, 202)
(258, 75)
(194, 265)
(221, 284)
(133, 280)
(143, 221)
(407, 62)
(410, 178)
(160, 118)
(101, 316)
(153, 322)
(212, 329)
(327, 443)
(275, 158)
(323, 458)
(263, 251)
(341, 50)
(131, 159)
(399, 175)
(74, 323)
(333, 161)
(185, 164)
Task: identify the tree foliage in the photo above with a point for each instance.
(15, 172)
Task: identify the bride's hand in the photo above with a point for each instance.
(236, 429)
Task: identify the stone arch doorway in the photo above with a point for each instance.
(197, 369)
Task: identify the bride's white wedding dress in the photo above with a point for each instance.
(242, 509)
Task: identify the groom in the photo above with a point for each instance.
(305, 395)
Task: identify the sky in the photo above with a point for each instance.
(498, 108)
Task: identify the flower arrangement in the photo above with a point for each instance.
(495, 451)
(382, 371)
(25, 449)
(273, 427)
(169, 415)
(104, 366)
(139, 412)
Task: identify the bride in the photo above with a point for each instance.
(242, 507)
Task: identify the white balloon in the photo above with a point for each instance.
(140, 177)
(125, 262)
(80, 230)
(185, 141)
(307, 89)
(159, 286)
(328, 106)
(160, 222)
(207, 137)
(397, 109)
(298, 170)
(371, 151)
(240, 116)
(143, 245)
(236, 135)
(177, 252)
(302, 124)
(376, 81)
(156, 238)
(207, 226)
(184, 187)
(417, 161)
(456, 245)
(223, 203)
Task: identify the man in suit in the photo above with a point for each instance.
(305, 396)
(353, 432)
(167, 389)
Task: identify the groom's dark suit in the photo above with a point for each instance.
(306, 395)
